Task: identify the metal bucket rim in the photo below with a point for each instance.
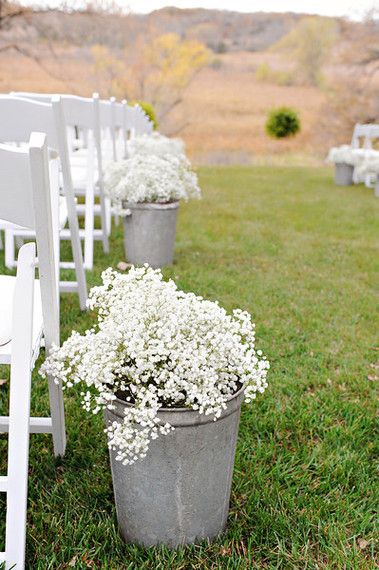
(150, 205)
(182, 417)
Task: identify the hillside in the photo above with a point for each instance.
(222, 31)
(221, 114)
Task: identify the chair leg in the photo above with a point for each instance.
(57, 417)
(108, 209)
(19, 411)
(77, 253)
(104, 221)
(18, 462)
(89, 225)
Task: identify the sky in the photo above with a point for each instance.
(350, 8)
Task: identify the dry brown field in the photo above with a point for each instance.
(223, 111)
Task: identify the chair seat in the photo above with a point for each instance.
(7, 285)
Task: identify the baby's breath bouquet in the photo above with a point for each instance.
(345, 154)
(155, 144)
(155, 346)
(147, 179)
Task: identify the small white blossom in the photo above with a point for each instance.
(345, 154)
(143, 178)
(369, 167)
(156, 346)
(155, 144)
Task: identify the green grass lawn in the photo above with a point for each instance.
(301, 255)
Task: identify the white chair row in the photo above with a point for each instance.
(32, 174)
(103, 127)
(47, 118)
(364, 135)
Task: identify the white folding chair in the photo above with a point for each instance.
(15, 483)
(104, 142)
(87, 169)
(361, 132)
(82, 115)
(19, 117)
(29, 199)
(115, 121)
(362, 141)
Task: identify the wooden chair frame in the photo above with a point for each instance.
(83, 115)
(47, 117)
(15, 483)
(26, 199)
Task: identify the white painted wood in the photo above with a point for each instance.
(366, 133)
(97, 234)
(26, 175)
(84, 114)
(122, 128)
(48, 118)
(107, 121)
(108, 129)
(89, 214)
(16, 484)
(104, 202)
(39, 167)
(363, 139)
(7, 287)
(71, 203)
(3, 484)
(70, 286)
(36, 425)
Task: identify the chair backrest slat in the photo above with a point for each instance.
(20, 117)
(78, 111)
(367, 132)
(16, 198)
(25, 183)
(46, 242)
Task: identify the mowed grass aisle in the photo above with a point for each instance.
(302, 256)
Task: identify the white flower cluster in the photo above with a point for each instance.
(155, 144)
(144, 178)
(369, 168)
(155, 346)
(345, 154)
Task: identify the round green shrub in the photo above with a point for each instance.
(149, 111)
(282, 122)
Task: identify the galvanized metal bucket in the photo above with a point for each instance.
(344, 174)
(149, 233)
(179, 493)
